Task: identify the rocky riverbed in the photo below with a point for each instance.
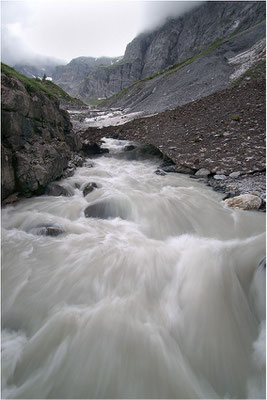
(223, 133)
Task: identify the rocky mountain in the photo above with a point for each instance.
(151, 52)
(71, 77)
(33, 71)
(37, 137)
(213, 69)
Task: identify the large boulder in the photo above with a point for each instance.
(105, 209)
(244, 202)
(54, 189)
(37, 138)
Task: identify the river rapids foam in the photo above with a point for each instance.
(168, 302)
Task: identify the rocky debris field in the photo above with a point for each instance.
(223, 133)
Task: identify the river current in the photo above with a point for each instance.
(164, 300)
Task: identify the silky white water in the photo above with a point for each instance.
(166, 302)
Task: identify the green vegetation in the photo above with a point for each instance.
(36, 84)
(30, 84)
(235, 117)
(94, 101)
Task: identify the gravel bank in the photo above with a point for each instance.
(223, 132)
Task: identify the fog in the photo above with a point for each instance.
(157, 12)
(55, 31)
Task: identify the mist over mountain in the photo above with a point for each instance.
(181, 37)
(158, 12)
(171, 32)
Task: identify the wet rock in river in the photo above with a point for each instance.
(89, 188)
(169, 168)
(129, 148)
(47, 230)
(160, 172)
(53, 189)
(93, 148)
(105, 209)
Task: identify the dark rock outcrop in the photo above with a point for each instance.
(37, 138)
(92, 148)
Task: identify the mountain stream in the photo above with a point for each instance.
(157, 293)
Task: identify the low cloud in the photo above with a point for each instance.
(15, 51)
(16, 17)
(157, 12)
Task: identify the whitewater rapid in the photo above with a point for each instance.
(164, 301)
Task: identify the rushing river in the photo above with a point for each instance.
(164, 301)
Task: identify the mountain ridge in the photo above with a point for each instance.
(150, 52)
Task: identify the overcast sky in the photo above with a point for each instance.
(66, 29)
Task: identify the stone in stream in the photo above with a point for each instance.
(130, 147)
(105, 209)
(93, 148)
(244, 202)
(54, 189)
(169, 168)
(160, 172)
(47, 230)
(89, 188)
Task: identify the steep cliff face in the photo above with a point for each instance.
(71, 77)
(205, 73)
(37, 138)
(151, 52)
(179, 39)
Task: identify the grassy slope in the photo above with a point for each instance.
(36, 84)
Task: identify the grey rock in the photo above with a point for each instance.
(47, 230)
(183, 169)
(220, 177)
(202, 173)
(77, 160)
(106, 209)
(235, 175)
(129, 147)
(37, 139)
(89, 188)
(169, 168)
(53, 189)
(8, 183)
(160, 172)
(244, 202)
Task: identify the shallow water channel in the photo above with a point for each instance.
(160, 297)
